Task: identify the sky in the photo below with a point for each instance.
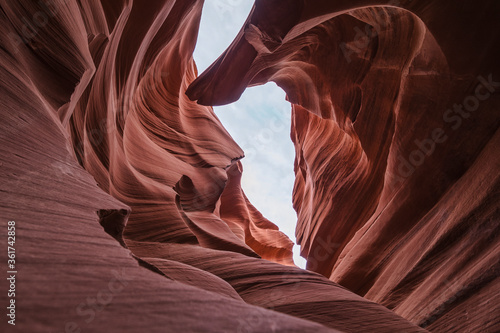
(259, 122)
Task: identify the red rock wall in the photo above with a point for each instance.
(399, 201)
(99, 141)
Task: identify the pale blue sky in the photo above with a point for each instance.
(259, 122)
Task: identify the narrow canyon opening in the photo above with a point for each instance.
(124, 190)
(259, 122)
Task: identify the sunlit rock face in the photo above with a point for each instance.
(395, 124)
(126, 191)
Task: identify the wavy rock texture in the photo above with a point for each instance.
(399, 202)
(99, 141)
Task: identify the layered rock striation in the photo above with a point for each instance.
(126, 190)
(399, 202)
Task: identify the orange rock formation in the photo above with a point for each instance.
(105, 134)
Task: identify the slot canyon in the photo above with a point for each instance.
(123, 188)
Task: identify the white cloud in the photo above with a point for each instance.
(259, 122)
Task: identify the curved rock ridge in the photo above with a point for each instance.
(395, 124)
(249, 224)
(100, 141)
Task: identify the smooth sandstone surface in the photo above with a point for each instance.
(399, 202)
(125, 187)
